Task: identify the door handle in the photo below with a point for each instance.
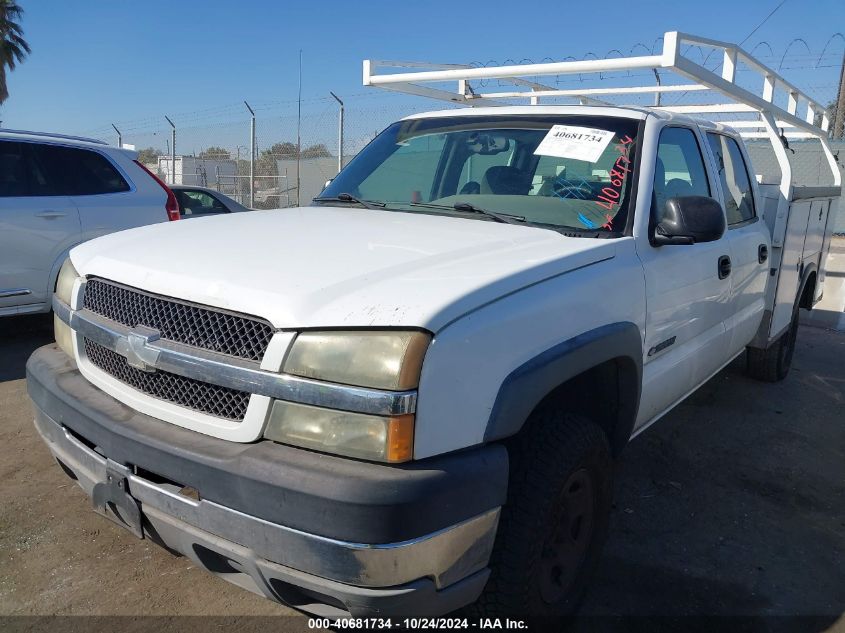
(724, 266)
(50, 215)
(762, 253)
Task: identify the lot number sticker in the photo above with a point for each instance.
(572, 141)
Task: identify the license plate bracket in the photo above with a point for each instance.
(111, 498)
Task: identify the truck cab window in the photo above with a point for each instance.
(679, 169)
(571, 172)
(733, 173)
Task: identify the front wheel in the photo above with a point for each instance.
(555, 521)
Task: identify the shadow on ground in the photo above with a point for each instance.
(19, 337)
(734, 503)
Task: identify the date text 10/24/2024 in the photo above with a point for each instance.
(417, 624)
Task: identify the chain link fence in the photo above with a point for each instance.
(294, 155)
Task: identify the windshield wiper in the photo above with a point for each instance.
(507, 218)
(348, 197)
(466, 207)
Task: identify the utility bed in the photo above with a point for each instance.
(800, 238)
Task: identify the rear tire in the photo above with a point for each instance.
(773, 364)
(553, 526)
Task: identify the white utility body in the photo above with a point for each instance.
(382, 396)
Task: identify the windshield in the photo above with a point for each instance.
(570, 172)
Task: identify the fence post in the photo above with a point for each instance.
(172, 151)
(339, 133)
(251, 156)
(298, 128)
(119, 136)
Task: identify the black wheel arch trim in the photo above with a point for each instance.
(806, 272)
(527, 385)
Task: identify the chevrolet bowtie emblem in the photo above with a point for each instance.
(136, 349)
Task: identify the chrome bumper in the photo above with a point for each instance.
(445, 557)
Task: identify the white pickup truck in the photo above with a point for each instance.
(408, 397)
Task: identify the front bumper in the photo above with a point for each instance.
(339, 564)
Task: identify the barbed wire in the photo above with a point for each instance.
(825, 59)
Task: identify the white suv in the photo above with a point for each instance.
(56, 192)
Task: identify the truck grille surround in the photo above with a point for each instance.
(205, 328)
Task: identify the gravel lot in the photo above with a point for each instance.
(734, 504)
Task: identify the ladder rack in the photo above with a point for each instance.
(802, 117)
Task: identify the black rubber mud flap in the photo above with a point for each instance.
(111, 498)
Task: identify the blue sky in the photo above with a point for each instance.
(94, 62)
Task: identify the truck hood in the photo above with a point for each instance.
(318, 267)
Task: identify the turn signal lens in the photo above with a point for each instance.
(64, 336)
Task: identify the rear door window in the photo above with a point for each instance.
(74, 171)
(19, 175)
(733, 173)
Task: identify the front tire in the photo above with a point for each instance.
(554, 523)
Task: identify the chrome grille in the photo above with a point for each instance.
(220, 402)
(211, 329)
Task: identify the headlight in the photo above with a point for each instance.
(64, 291)
(390, 360)
(64, 284)
(381, 360)
(358, 435)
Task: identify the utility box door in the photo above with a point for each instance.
(790, 265)
(816, 228)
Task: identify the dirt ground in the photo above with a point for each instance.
(733, 504)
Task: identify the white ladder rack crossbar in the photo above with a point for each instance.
(801, 112)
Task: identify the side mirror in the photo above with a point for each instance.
(690, 220)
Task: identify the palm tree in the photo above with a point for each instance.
(13, 48)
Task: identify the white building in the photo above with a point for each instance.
(218, 173)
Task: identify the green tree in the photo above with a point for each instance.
(214, 152)
(315, 151)
(148, 155)
(13, 48)
(281, 151)
(265, 165)
(265, 162)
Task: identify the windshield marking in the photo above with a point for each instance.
(610, 195)
(574, 141)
